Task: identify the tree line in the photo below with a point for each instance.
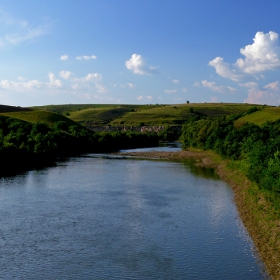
(24, 145)
(255, 148)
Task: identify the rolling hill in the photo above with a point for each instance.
(134, 115)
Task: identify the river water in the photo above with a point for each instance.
(95, 217)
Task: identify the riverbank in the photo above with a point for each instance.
(256, 211)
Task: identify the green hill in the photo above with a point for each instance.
(115, 114)
(261, 116)
(38, 116)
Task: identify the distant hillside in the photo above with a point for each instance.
(261, 116)
(38, 116)
(135, 115)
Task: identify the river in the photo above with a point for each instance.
(106, 217)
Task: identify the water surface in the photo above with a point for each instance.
(97, 218)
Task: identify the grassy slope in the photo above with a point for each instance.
(260, 117)
(178, 114)
(38, 116)
(100, 114)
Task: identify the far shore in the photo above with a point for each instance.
(255, 211)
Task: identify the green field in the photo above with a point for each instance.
(38, 116)
(136, 115)
(260, 117)
(107, 114)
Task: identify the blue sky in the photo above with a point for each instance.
(139, 52)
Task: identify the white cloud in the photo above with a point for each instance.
(196, 84)
(215, 88)
(86, 57)
(214, 99)
(91, 82)
(223, 69)
(175, 81)
(131, 85)
(18, 31)
(184, 89)
(64, 57)
(53, 81)
(170, 91)
(91, 78)
(21, 85)
(138, 65)
(269, 94)
(141, 97)
(262, 55)
(251, 85)
(66, 74)
(273, 86)
(262, 97)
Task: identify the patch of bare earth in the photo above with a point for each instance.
(257, 214)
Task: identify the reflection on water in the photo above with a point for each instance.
(98, 218)
(200, 171)
(162, 147)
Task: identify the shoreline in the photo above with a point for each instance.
(255, 211)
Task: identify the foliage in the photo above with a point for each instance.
(169, 134)
(257, 147)
(25, 145)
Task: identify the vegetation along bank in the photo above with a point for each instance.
(25, 145)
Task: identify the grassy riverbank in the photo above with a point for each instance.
(256, 211)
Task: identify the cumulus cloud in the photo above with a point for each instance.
(66, 74)
(141, 97)
(53, 81)
(269, 94)
(170, 91)
(223, 69)
(196, 84)
(85, 82)
(64, 57)
(21, 85)
(220, 89)
(86, 57)
(175, 81)
(184, 89)
(91, 82)
(138, 65)
(262, 55)
(273, 86)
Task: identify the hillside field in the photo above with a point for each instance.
(38, 116)
(138, 115)
(261, 116)
(135, 115)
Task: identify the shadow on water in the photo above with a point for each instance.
(204, 172)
